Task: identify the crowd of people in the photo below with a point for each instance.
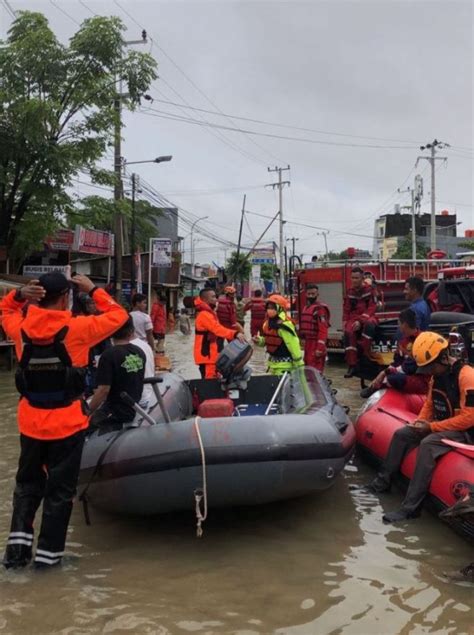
(100, 350)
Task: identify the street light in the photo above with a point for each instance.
(162, 159)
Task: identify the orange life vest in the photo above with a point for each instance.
(274, 343)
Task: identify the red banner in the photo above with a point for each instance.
(93, 241)
(61, 241)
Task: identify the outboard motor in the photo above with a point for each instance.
(457, 346)
(231, 365)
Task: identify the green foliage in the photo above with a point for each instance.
(238, 269)
(57, 116)
(268, 272)
(404, 250)
(467, 244)
(96, 212)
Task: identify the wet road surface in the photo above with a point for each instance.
(321, 565)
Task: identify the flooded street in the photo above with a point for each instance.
(320, 565)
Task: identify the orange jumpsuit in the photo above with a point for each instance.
(209, 339)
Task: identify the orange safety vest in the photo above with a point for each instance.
(81, 334)
(210, 334)
(274, 343)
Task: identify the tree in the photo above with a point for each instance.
(238, 269)
(268, 271)
(96, 212)
(57, 117)
(467, 244)
(404, 250)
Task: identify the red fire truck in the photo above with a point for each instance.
(449, 290)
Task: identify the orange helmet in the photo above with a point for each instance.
(280, 301)
(229, 289)
(427, 347)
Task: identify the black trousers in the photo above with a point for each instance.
(431, 449)
(47, 471)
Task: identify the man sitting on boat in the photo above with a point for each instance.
(401, 374)
(210, 334)
(280, 337)
(413, 292)
(121, 369)
(448, 413)
(358, 317)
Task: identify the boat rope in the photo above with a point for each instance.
(200, 494)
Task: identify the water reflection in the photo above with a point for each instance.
(320, 565)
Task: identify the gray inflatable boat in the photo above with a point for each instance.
(265, 439)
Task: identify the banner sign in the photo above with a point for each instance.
(161, 252)
(262, 257)
(255, 277)
(38, 270)
(93, 241)
(61, 241)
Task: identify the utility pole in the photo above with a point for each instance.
(324, 234)
(413, 221)
(118, 187)
(135, 185)
(240, 237)
(432, 159)
(280, 185)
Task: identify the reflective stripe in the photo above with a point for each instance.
(369, 337)
(321, 342)
(350, 348)
(47, 560)
(20, 534)
(49, 554)
(20, 541)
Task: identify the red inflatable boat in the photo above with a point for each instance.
(381, 416)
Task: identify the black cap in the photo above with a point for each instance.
(55, 284)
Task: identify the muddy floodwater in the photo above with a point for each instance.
(320, 565)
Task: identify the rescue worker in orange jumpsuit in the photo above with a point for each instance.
(258, 313)
(448, 413)
(358, 318)
(53, 352)
(226, 309)
(210, 334)
(314, 324)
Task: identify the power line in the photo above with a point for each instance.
(186, 76)
(86, 7)
(217, 134)
(288, 126)
(10, 10)
(335, 231)
(153, 112)
(64, 12)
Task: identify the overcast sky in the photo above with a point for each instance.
(383, 73)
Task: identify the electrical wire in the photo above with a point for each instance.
(9, 9)
(298, 224)
(288, 126)
(64, 12)
(221, 136)
(153, 112)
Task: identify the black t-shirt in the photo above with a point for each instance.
(122, 367)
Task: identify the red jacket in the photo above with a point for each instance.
(83, 333)
(359, 304)
(226, 311)
(158, 317)
(314, 322)
(256, 306)
(210, 334)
